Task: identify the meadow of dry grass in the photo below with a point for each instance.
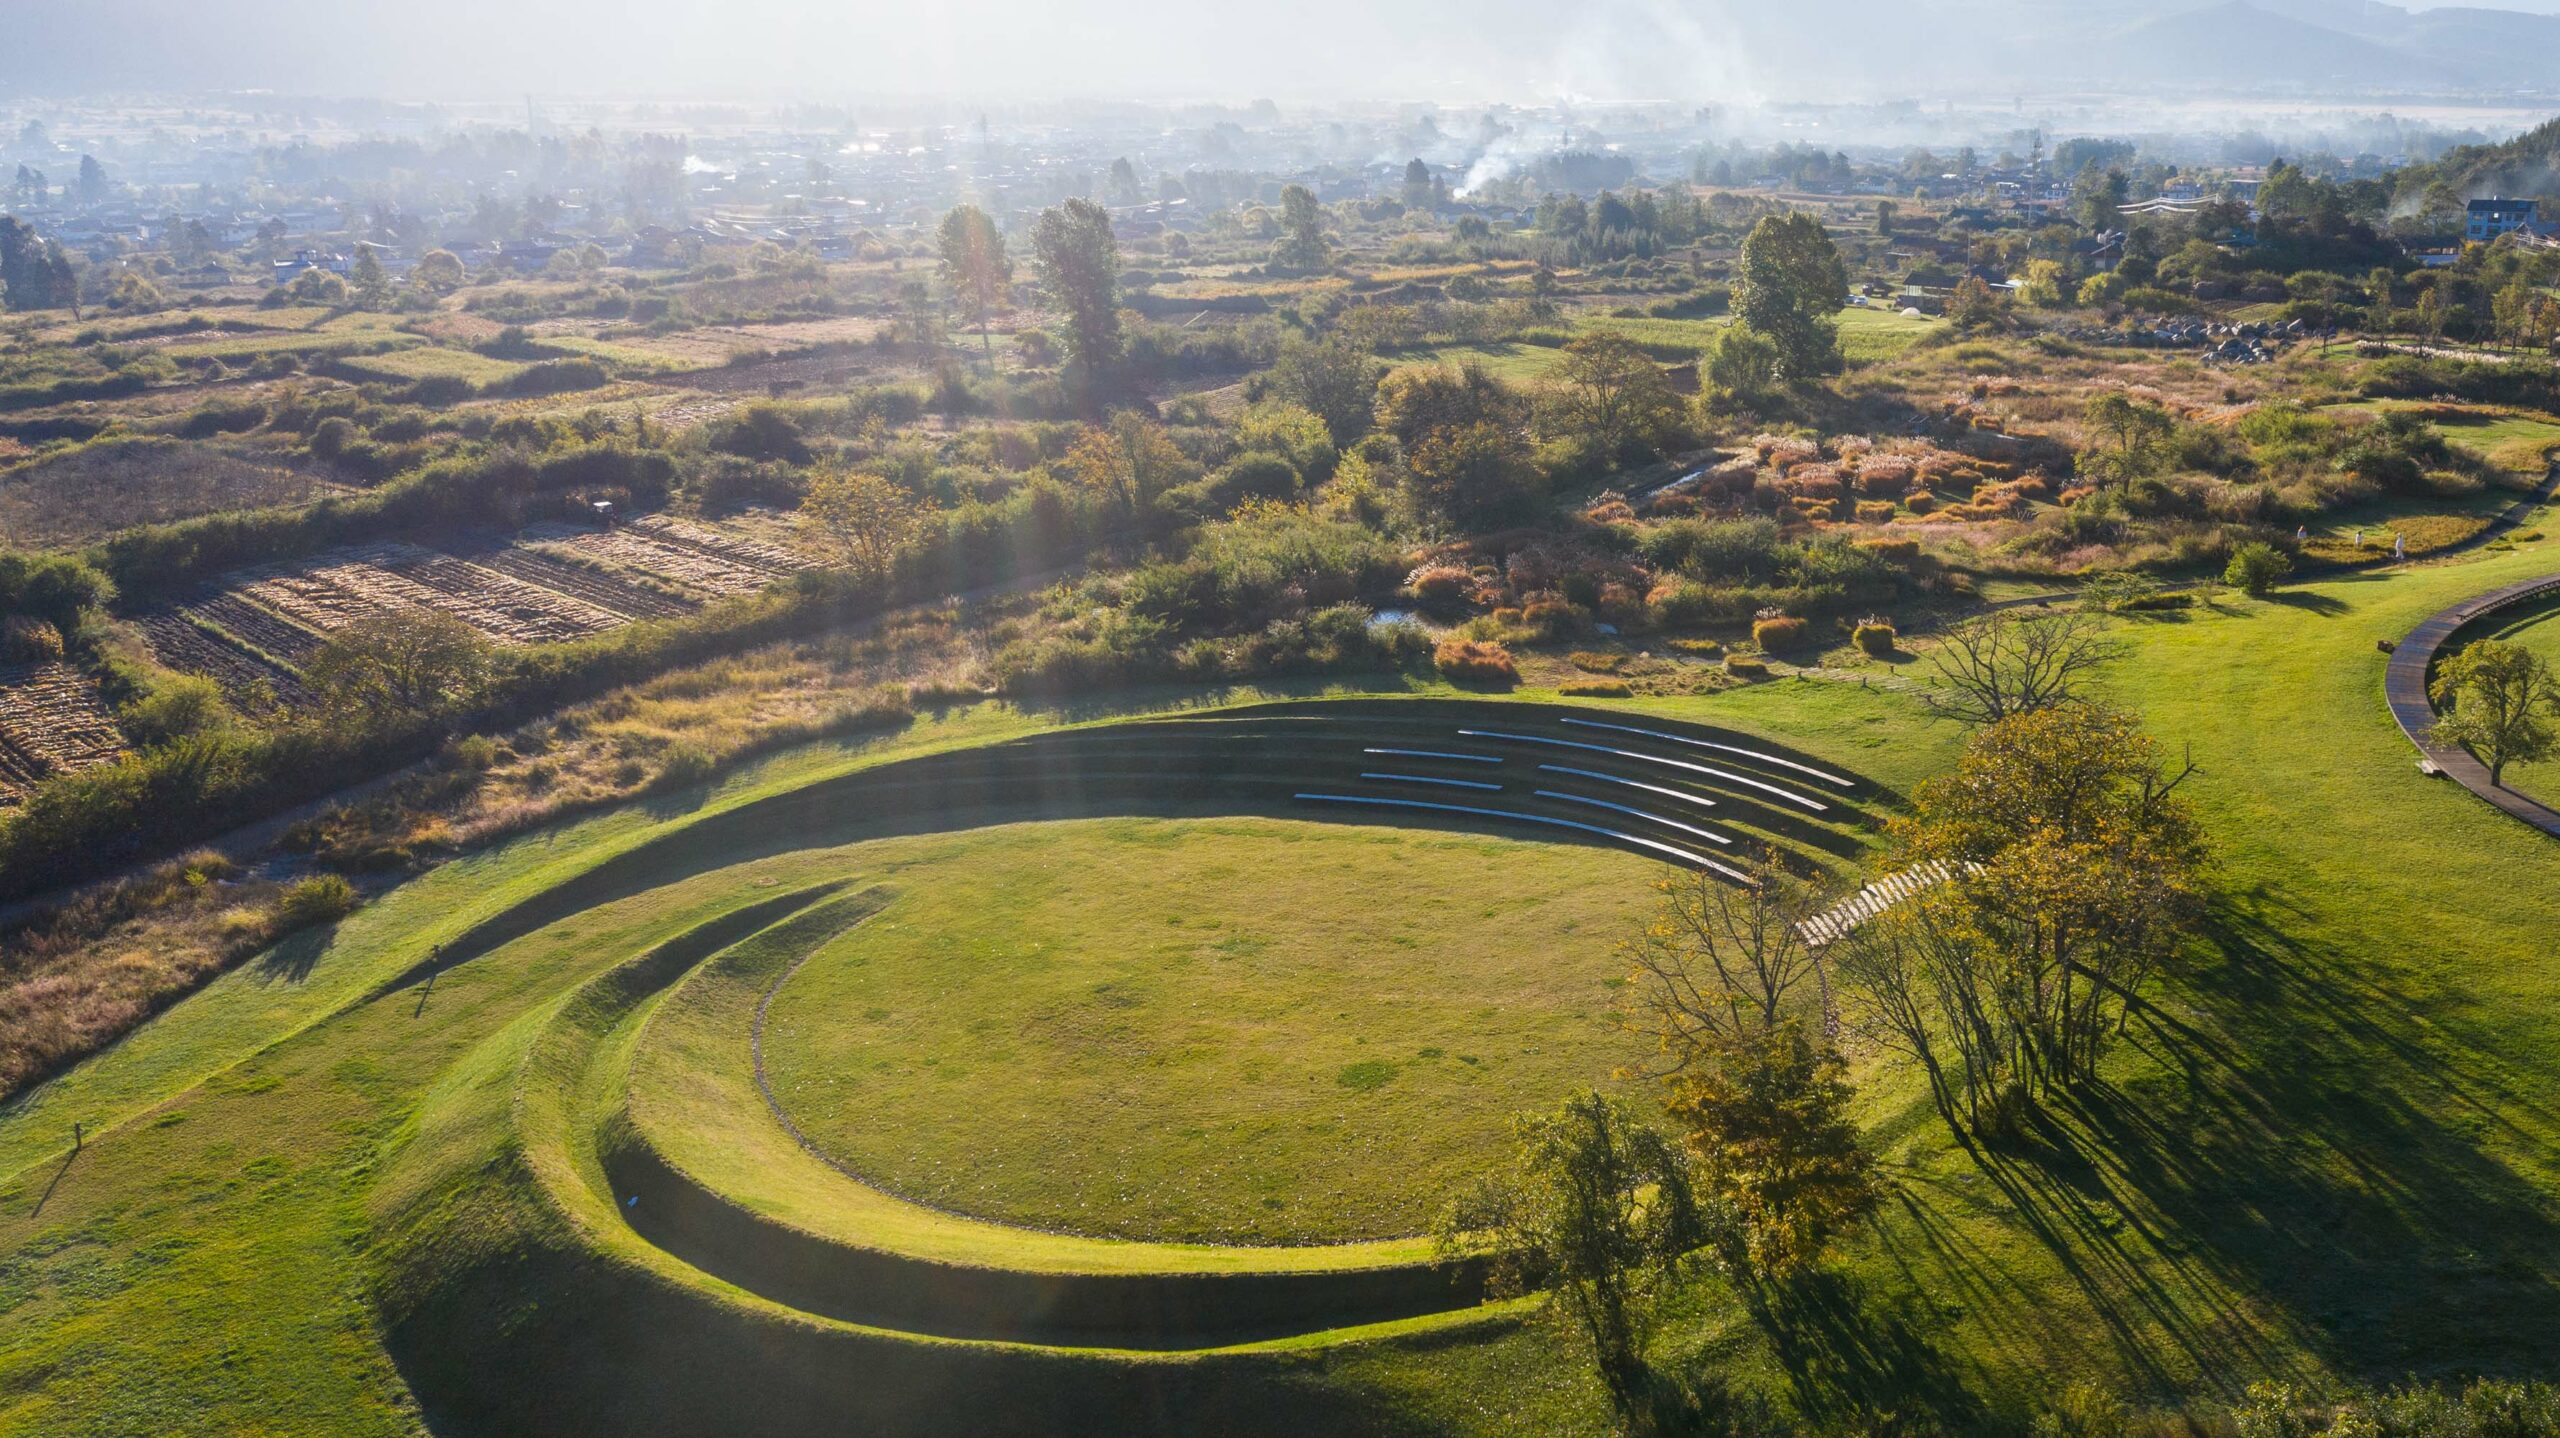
(87, 493)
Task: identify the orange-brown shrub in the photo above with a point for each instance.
(1784, 450)
(1921, 502)
(1813, 481)
(1734, 476)
(1874, 511)
(1886, 476)
(1622, 605)
(1778, 632)
(1596, 689)
(1474, 661)
(1874, 637)
(1440, 586)
(1743, 666)
(1555, 618)
(1999, 500)
(1899, 551)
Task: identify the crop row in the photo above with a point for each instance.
(53, 720)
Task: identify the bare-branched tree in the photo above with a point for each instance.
(1998, 664)
(1729, 988)
(1718, 962)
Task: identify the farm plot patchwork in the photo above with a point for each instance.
(721, 543)
(351, 585)
(184, 644)
(704, 573)
(246, 624)
(596, 587)
(51, 722)
(553, 582)
(510, 609)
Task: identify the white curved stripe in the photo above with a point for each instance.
(1701, 800)
(1434, 754)
(1683, 855)
(1727, 748)
(1790, 796)
(1708, 835)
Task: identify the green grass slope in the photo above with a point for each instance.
(2328, 1149)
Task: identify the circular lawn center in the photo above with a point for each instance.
(1226, 1030)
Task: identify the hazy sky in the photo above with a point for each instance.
(847, 49)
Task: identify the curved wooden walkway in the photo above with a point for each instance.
(2404, 686)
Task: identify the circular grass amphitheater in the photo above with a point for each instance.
(1049, 1085)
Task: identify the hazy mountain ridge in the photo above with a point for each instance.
(2237, 42)
(1738, 50)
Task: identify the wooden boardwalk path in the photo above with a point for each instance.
(2404, 686)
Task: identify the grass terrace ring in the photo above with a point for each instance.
(710, 1108)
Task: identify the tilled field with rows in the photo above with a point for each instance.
(699, 573)
(552, 582)
(51, 722)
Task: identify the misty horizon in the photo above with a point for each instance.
(1328, 51)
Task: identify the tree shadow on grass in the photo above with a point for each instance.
(291, 960)
(1853, 1361)
(2325, 605)
(2305, 1179)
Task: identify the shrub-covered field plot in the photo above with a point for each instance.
(1226, 1030)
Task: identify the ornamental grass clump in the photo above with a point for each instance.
(1775, 632)
(1476, 662)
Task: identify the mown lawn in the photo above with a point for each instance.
(2329, 1147)
(1230, 1030)
(2520, 441)
(1868, 333)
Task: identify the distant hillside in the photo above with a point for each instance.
(2528, 165)
(2238, 44)
(2489, 47)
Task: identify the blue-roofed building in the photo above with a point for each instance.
(2488, 219)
